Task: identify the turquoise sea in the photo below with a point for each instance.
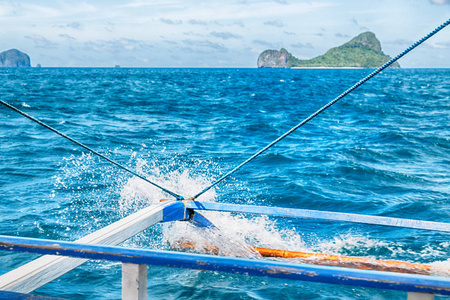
(383, 150)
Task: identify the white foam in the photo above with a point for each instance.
(238, 231)
(441, 268)
(137, 192)
(351, 243)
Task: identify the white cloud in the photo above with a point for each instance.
(401, 42)
(238, 23)
(192, 33)
(67, 37)
(170, 42)
(205, 44)
(110, 27)
(225, 35)
(265, 43)
(171, 22)
(129, 25)
(276, 23)
(115, 46)
(443, 45)
(29, 10)
(341, 35)
(42, 42)
(300, 45)
(440, 2)
(197, 22)
(8, 9)
(74, 25)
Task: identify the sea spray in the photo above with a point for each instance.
(235, 233)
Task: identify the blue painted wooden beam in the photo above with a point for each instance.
(200, 221)
(325, 274)
(178, 211)
(319, 215)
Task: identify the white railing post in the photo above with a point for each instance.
(134, 282)
(420, 296)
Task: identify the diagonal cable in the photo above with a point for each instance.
(348, 91)
(178, 197)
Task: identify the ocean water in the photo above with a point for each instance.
(382, 150)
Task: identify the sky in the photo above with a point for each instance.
(211, 33)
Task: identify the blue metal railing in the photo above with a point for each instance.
(324, 274)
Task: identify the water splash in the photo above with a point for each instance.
(237, 232)
(441, 268)
(136, 192)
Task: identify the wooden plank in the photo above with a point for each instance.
(37, 273)
(134, 281)
(319, 215)
(253, 267)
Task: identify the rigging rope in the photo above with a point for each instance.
(178, 197)
(348, 91)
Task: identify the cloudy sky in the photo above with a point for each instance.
(210, 33)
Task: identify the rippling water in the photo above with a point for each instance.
(382, 150)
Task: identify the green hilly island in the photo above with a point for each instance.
(363, 51)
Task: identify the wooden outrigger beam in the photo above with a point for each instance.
(349, 261)
(320, 259)
(39, 272)
(319, 215)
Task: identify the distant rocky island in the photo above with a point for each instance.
(363, 51)
(13, 58)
